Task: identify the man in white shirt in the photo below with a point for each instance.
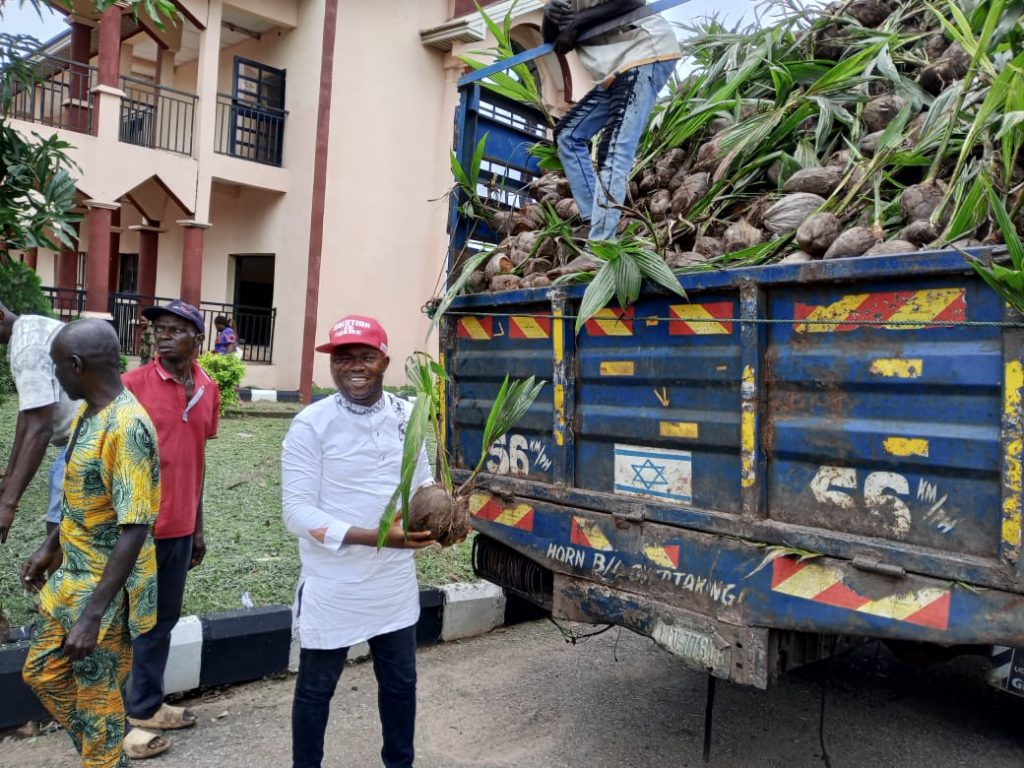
(340, 464)
(44, 412)
(629, 66)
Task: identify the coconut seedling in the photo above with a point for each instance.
(443, 508)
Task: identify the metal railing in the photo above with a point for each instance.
(254, 326)
(66, 303)
(156, 116)
(249, 131)
(59, 93)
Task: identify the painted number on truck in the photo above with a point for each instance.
(880, 495)
(517, 455)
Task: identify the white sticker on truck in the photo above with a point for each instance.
(657, 473)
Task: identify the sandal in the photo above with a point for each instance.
(167, 718)
(140, 744)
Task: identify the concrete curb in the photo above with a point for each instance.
(238, 646)
(252, 395)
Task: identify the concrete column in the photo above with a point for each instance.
(115, 251)
(149, 241)
(192, 261)
(97, 267)
(31, 257)
(77, 112)
(206, 120)
(107, 92)
(67, 269)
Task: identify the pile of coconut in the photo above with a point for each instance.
(857, 198)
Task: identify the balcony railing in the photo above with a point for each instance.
(59, 93)
(249, 131)
(254, 326)
(66, 303)
(156, 116)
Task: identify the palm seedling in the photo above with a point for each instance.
(443, 508)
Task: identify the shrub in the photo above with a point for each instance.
(228, 371)
(21, 292)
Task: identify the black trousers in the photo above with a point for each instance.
(394, 666)
(149, 651)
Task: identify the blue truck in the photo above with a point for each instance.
(796, 457)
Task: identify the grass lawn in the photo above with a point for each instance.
(248, 549)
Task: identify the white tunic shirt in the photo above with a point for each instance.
(340, 464)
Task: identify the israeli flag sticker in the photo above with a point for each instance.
(656, 473)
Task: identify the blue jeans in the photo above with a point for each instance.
(57, 486)
(620, 111)
(394, 666)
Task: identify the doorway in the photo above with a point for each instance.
(254, 298)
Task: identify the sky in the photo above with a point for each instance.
(26, 21)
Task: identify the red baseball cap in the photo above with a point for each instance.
(356, 329)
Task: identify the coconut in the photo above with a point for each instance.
(535, 213)
(538, 266)
(853, 242)
(698, 184)
(537, 280)
(708, 156)
(952, 66)
(817, 181)
(524, 244)
(868, 144)
(634, 191)
(680, 259)
(648, 181)
(797, 257)
(741, 235)
(709, 246)
(919, 232)
(667, 165)
(870, 13)
(789, 212)
(501, 222)
(839, 158)
(504, 282)
(880, 111)
(567, 209)
(774, 172)
(660, 203)
(935, 47)
(890, 248)
(521, 222)
(919, 201)
(681, 201)
(818, 232)
(829, 42)
(477, 282)
(498, 264)
(546, 250)
(447, 517)
(549, 183)
(719, 124)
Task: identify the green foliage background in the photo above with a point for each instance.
(228, 371)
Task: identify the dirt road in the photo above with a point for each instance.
(523, 697)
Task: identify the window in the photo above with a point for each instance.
(257, 112)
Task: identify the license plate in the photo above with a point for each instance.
(697, 646)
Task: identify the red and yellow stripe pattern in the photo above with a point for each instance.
(903, 310)
(709, 319)
(611, 321)
(529, 327)
(486, 507)
(476, 328)
(666, 557)
(820, 583)
(587, 534)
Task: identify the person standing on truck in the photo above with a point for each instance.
(44, 413)
(629, 67)
(341, 462)
(184, 405)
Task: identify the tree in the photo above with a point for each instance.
(37, 184)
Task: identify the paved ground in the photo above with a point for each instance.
(522, 697)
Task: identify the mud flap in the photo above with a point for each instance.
(1007, 670)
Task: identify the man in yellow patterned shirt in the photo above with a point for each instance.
(104, 593)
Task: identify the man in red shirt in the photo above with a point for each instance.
(183, 404)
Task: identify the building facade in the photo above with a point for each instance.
(283, 162)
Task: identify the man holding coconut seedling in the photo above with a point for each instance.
(341, 463)
(629, 67)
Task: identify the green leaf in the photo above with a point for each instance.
(1007, 228)
(597, 295)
